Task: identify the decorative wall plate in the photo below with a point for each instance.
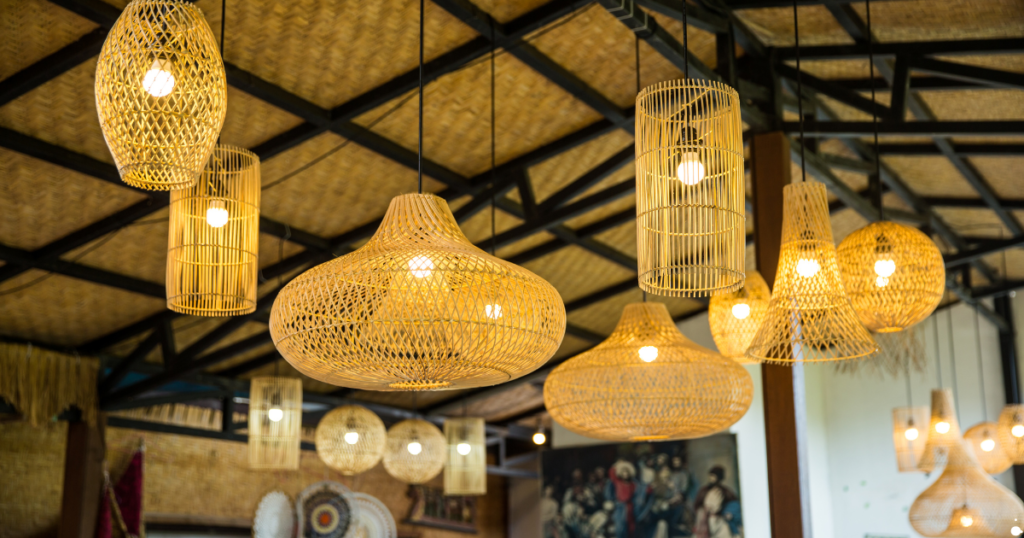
(326, 510)
(374, 520)
(274, 517)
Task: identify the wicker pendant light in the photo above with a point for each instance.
(415, 451)
(212, 253)
(1011, 432)
(161, 93)
(647, 382)
(943, 431)
(735, 317)
(275, 422)
(909, 436)
(466, 470)
(350, 439)
(983, 440)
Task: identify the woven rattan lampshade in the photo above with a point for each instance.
(909, 436)
(943, 431)
(893, 275)
(466, 470)
(647, 382)
(735, 317)
(350, 439)
(417, 308)
(275, 422)
(983, 441)
(160, 93)
(690, 189)
(1011, 432)
(415, 451)
(212, 252)
(809, 316)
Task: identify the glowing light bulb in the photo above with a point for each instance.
(648, 353)
(807, 268)
(1016, 531)
(352, 438)
(539, 438)
(414, 448)
(966, 521)
(740, 310)
(217, 214)
(988, 445)
(885, 268)
(463, 448)
(493, 311)
(420, 266)
(911, 434)
(881, 281)
(690, 170)
(158, 81)
(275, 414)
(1017, 430)
(942, 427)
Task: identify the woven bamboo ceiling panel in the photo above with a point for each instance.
(774, 26)
(33, 30)
(549, 176)
(600, 317)
(506, 10)
(575, 272)
(976, 104)
(918, 20)
(251, 121)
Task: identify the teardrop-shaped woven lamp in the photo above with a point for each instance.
(690, 189)
(415, 451)
(350, 439)
(1011, 432)
(647, 382)
(466, 470)
(983, 440)
(909, 435)
(161, 93)
(275, 422)
(809, 316)
(943, 431)
(735, 317)
(417, 308)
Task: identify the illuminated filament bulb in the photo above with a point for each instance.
(942, 427)
(414, 448)
(420, 266)
(1017, 430)
(1016, 531)
(648, 353)
(911, 434)
(352, 437)
(539, 438)
(740, 310)
(690, 170)
(217, 214)
(492, 311)
(158, 81)
(884, 269)
(275, 414)
(966, 521)
(463, 448)
(988, 445)
(807, 267)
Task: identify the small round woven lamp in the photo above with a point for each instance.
(161, 93)
(415, 451)
(943, 431)
(690, 189)
(275, 422)
(417, 308)
(350, 439)
(647, 382)
(893, 274)
(983, 440)
(809, 316)
(1011, 432)
(909, 436)
(213, 244)
(735, 317)
(466, 470)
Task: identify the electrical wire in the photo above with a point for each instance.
(877, 179)
(420, 155)
(981, 365)
(799, 93)
(686, 43)
(494, 179)
(952, 355)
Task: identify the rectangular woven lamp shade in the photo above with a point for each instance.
(275, 423)
(466, 470)
(943, 431)
(909, 446)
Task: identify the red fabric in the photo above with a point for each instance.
(103, 526)
(128, 492)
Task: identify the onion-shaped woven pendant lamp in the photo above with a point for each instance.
(735, 317)
(647, 382)
(213, 244)
(909, 436)
(466, 470)
(275, 422)
(350, 439)
(943, 431)
(415, 451)
(809, 316)
(983, 440)
(161, 93)
(417, 308)
(1011, 432)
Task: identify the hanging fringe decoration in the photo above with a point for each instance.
(40, 383)
(898, 353)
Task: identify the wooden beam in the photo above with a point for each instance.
(83, 480)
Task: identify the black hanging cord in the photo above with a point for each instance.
(686, 45)
(799, 93)
(938, 354)
(952, 356)
(877, 179)
(910, 395)
(981, 365)
(494, 180)
(420, 165)
(637, 63)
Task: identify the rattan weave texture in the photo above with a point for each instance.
(909, 435)
(275, 423)
(735, 317)
(415, 451)
(983, 441)
(350, 439)
(943, 431)
(1011, 432)
(466, 470)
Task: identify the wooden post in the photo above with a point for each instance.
(83, 480)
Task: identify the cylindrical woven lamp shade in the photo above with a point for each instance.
(213, 244)
(415, 451)
(909, 436)
(1011, 432)
(735, 317)
(417, 308)
(647, 382)
(466, 470)
(350, 439)
(943, 431)
(983, 440)
(161, 93)
(893, 274)
(809, 316)
(275, 422)
(690, 189)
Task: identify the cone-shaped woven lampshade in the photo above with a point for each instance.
(735, 317)
(809, 316)
(647, 382)
(893, 275)
(1011, 432)
(415, 451)
(983, 441)
(943, 431)
(690, 189)
(160, 93)
(466, 470)
(417, 308)
(212, 252)
(909, 436)
(275, 422)
(350, 439)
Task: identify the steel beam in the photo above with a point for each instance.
(993, 78)
(860, 129)
(962, 149)
(966, 47)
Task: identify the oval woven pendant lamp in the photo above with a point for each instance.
(809, 316)
(161, 93)
(350, 439)
(415, 451)
(1011, 432)
(943, 431)
(417, 308)
(213, 244)
(735, 317)
(466, 470)
(647, 382)
(983, 440)
(690, 189)
(275, 422)
(909, 435)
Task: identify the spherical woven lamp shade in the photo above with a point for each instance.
(943, 431)
(909, 436)
(735, 317)
(415, 451)
(690, 189)
(275, 422)
(161, 93)
(1011, 432)
(213, 244)
(809, 316)
(983, 441)
(647, 382)
(350, 439)
(893, 274)
(417, 308)
(466, 470)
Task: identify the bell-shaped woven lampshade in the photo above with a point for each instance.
(690, 189)
(735, 317)
(213, 244)
(350, 439)
(983, 440)
(647, 382)
(943, 431)
(161, 93)
(275, 422)
(809, 316)
(893, 274)
(1011, 432)
(909, 436)
(417, 308)
(415, 451)
(466, 470)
